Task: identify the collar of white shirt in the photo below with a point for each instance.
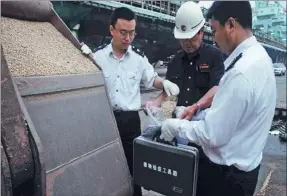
(239, 49)
(111, 52)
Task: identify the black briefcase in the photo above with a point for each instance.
(163, 167)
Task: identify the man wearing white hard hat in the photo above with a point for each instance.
(197, 68)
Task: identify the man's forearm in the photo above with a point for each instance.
(206, 100)
(158, 83)
(159, 99)
(168, 88)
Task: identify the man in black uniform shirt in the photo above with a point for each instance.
(197, 68)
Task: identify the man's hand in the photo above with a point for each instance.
(169, 129)
(189, 112)
(85, 49)
(149, 104)
(178, 111)
(170, 88)
(150, 107)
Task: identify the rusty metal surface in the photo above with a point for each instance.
(98, 173)
(48, 84)
(71, 124)
(74, 132)
(33, 11)
(80, 141)
(39, 180)
(14, 136)
(6, 180)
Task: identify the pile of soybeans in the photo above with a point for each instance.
(39, 49)
(168, 106)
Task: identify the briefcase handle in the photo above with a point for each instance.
(156, 138)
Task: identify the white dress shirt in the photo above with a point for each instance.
(123, 77)
(235, 128)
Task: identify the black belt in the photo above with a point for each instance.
(229, 169)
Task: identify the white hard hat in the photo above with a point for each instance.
(188, 20)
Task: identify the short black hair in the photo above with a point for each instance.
(239, 10)
(122, 13)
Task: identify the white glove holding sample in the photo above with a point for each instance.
(170, 129)
(170, 88)
(178, 111)
(85, 49)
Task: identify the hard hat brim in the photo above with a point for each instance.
(188, 35)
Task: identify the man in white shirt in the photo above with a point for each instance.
(235, 129)
(124, 68)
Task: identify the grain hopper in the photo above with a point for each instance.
(58, 133)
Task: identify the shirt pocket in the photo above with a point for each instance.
(202, 79)
(175, 78)
(109, 79)
(131, 82)
(107, 76)
(132, 75)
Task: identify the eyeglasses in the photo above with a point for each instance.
(125, 33)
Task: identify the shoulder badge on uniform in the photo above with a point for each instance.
(136, 50)
(100, 47)
(233, 62)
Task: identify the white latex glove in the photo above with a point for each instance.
(170, 129)
(85, 49)
(170, 88)
(179, 111)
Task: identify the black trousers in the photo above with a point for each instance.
(219, 180)
(129, 126)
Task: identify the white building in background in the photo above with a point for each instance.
(270, 18)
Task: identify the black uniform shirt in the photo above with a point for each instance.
(195, 74)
